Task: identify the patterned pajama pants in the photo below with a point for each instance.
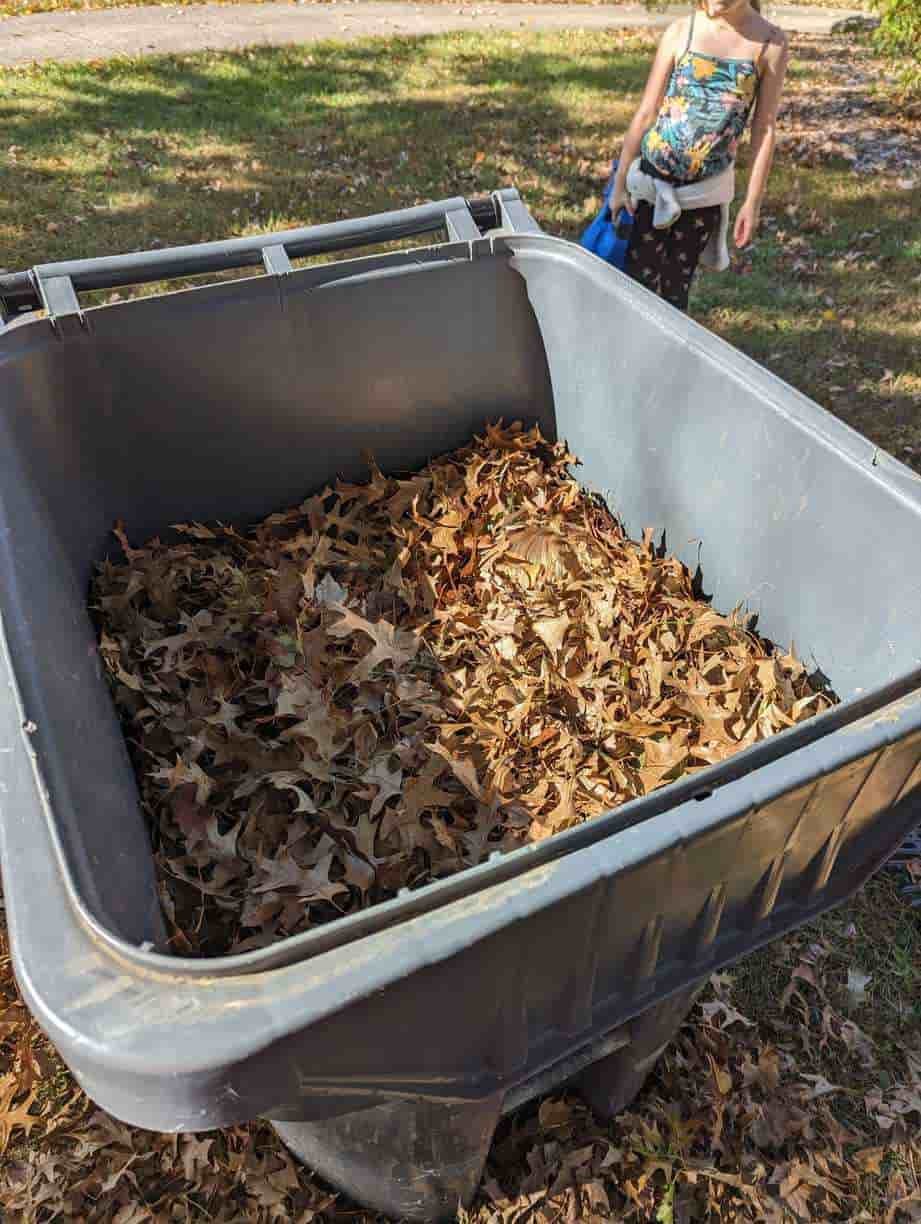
(665, 260)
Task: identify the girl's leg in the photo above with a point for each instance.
(647, 249)
(685, 243)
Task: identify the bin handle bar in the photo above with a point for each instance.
(463, 219)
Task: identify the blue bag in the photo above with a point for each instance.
(606, 237)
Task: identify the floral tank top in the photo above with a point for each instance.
(704, 112)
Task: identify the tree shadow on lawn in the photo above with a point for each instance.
(313, 121)
(173, 149)
(843, 330)
(806, 355)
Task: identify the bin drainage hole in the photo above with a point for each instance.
(704, 794)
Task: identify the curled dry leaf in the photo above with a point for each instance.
(869, 1160)
(392, 680)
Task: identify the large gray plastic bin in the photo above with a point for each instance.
(385, 1046)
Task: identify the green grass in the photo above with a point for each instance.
(847, 334)
(119, 154)
(125, 154)
(876, 934)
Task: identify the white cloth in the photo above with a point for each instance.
(669, 202)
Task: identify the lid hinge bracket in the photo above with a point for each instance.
(60, 302)
(276, 263)
(461, 226)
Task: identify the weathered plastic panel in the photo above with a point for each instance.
(416, 1022)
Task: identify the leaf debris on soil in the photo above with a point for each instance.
(775, 1146)
(384, 685)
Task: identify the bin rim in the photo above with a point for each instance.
(899, 480)
(96, 976)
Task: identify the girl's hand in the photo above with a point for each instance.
(746, 224)
(619, 199)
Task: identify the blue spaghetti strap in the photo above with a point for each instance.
(690, 33)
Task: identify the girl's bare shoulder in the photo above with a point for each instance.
(676, 33)
(774, 39)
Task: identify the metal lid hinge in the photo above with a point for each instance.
(60, 302)
(276, 263)
(460, 225)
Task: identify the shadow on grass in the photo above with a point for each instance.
(419, 115)
(844, 371)
(175, 149)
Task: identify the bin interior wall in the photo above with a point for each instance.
(780, 504)
(228, 404)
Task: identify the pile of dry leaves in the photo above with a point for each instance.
(391, 681)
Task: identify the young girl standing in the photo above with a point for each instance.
(713, 71)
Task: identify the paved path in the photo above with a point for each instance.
(99, 33)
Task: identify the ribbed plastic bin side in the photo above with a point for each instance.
(386, 1046)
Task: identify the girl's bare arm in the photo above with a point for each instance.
(648, 109)
(764, 136)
